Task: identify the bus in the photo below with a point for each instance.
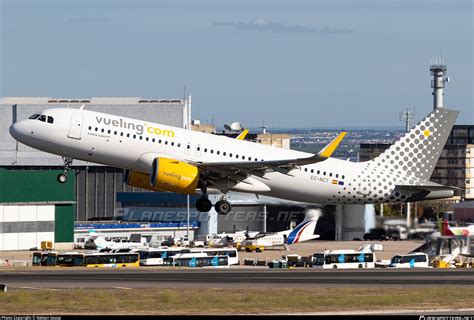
(412, 260)
(344, 259)
(163, 256)
(70, 259)
(112, 260)
(200, 260)
(40, 258)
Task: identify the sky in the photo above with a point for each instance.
(288, 63)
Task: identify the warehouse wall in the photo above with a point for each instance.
(35, 206)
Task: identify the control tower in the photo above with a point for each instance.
(438, 71)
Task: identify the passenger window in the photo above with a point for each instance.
(90, 128)
(224, 153)
(318, 172)
(172, 143)
(166, 141)
(108, 131)
(115, 133)
(96, 129)
(330, 174)
(153, 140)
(50, 119)
(179, 145)
(42, 118)
(102, 130)
(134, 136)
(147, 139)
(218, 152)
(312, 170)
(128, 135)
(205, 149)
(140, 137)
(212, 151)
(121, 134)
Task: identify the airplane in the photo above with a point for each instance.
(98, 242)
(303, 232)
(164, 158)
(447, 230)
(225, 239)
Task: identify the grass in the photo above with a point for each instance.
(229, 301)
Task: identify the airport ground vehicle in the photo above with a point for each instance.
(40, 258)
(344, 259)
(412, 260)
(78, 259)
(122, 259)
(254, 246)
(163, 256)
(70, 259)
(200, 260)
(376, 234)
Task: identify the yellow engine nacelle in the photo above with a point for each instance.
(174, 175)
(138, 180)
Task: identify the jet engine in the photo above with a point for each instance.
(138, 180)
(174, 176)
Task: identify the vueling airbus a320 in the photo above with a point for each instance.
(163, 158)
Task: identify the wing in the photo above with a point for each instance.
(239, 171)
(322, 155)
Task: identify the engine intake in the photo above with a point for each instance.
(174, 176)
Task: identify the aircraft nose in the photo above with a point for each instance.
(17, 130)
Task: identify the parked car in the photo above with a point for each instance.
(376, 234)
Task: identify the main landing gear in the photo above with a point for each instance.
(223, 206)
(205, 205)
(62, 177)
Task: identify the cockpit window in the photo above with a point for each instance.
(34, 116)
(42, 118)
(50, 119)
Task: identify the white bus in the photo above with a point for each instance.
(200, 260)
(163, 256)
(344, 259)
(412, 260)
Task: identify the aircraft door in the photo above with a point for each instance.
(75, 126)
(364, 184)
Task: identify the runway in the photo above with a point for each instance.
(231, 278)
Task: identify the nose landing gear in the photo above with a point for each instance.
(62, 177)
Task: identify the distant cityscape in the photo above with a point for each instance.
(313, 139)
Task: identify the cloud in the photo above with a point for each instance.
(276, 27)
(88, 19)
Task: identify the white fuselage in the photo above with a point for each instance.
(133, 144)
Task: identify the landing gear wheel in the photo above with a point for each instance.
(223, 207)
(203, 205)
(62, 178)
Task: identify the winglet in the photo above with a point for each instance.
(242, 135)
(328, 150)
